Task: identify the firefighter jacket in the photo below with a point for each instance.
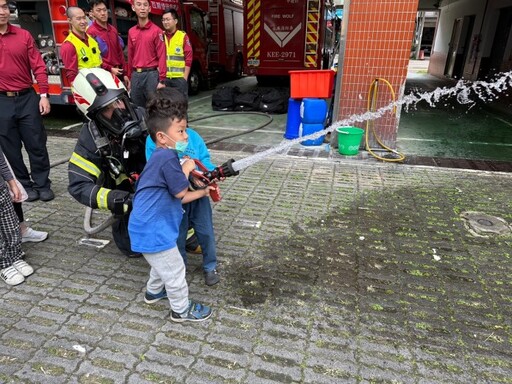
(105, 177)
(175, 55)
(87, 56)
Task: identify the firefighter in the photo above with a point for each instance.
(79, 50)
(146, 55)
(21, 108)
(110, 43)
(179, 52)
(109, 154)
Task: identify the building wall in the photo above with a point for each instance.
(482, 35)
(377, 45)
(450, 11)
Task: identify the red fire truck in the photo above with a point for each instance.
(211, 30)
(226, 32)
(284, 35)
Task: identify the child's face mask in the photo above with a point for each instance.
(180, 146)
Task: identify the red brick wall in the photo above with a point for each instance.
(378, 45)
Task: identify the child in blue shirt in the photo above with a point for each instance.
(198, 213)
(157, 209)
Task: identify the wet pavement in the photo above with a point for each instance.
(333, 271)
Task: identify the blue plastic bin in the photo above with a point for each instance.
(292, 119)
(313, 111)
(308, 129)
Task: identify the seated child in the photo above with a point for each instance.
(198, 213)
(157, 210)
(13, 269)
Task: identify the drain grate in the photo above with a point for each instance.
(483, 225)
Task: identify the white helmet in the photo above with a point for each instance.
(103, 98)
(94, 88)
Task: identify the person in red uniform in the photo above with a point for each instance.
(110, 43)
(21, 108)
(146, 55)
(179, 52)
(79, 50)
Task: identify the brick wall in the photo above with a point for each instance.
(378, 45)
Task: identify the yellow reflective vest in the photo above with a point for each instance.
(88, 56)
(175, 55)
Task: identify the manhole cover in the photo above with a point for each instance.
(481, 224)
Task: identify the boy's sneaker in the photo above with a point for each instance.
(11, 276)
(151, 298)
(23, 268)
(33, 236)
(196, 312)
(211, 277)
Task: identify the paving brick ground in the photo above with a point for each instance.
(333, 271)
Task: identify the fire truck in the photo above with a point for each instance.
(214, 27)
(226, 32)
(284, 35)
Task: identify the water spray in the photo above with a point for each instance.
(484, 90)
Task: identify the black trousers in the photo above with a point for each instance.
(121, 236)
(19, 211)
(180, 83)
(21, 123)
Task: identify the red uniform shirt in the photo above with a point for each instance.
(19, 58)
(146, 49)
(187, 48)
(69, 58)
(111, 46)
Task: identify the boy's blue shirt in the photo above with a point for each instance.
(156, 216)
(196, 149)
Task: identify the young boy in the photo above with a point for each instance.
(198, 213)
(13, 269)
(157, 210)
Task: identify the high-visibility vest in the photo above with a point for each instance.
(88, 56)
(175, 55)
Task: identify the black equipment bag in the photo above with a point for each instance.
(223, 99)
(248, 101)
(274, 101)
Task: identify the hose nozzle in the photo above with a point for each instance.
(222, 171)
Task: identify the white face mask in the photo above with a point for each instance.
(180, 146)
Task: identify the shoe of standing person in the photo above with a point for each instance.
(46, 194)
(151, 298)
(11, 276)
(32, 194)
(23, 267)
(33, 236)
(211, 277)
(196, 312)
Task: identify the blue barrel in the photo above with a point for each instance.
(292, 119)
(308, 129)
(313, 111)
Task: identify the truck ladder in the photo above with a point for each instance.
(312, 31)
(60, 24)
(213, 14)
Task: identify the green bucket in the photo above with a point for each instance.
(349, 139)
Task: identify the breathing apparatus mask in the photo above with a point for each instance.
(119, 119)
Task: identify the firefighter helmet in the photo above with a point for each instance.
(103, 98)
(95, 88)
